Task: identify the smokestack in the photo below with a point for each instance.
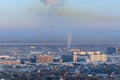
(69, 42)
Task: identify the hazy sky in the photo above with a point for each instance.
(55, 19)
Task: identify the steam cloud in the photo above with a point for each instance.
(53, 3)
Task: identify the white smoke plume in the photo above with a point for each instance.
(69, 41)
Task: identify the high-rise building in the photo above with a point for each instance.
(9, 61)
(98, 57)
(111, 50)
(67, 58)
(43, 58)
(75, 57)
(71, 57)
(118, 51)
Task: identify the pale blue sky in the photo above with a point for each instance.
(36, 20)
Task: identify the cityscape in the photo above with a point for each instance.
(59, 40)
(60, 61)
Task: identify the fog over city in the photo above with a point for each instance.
(53, 20)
